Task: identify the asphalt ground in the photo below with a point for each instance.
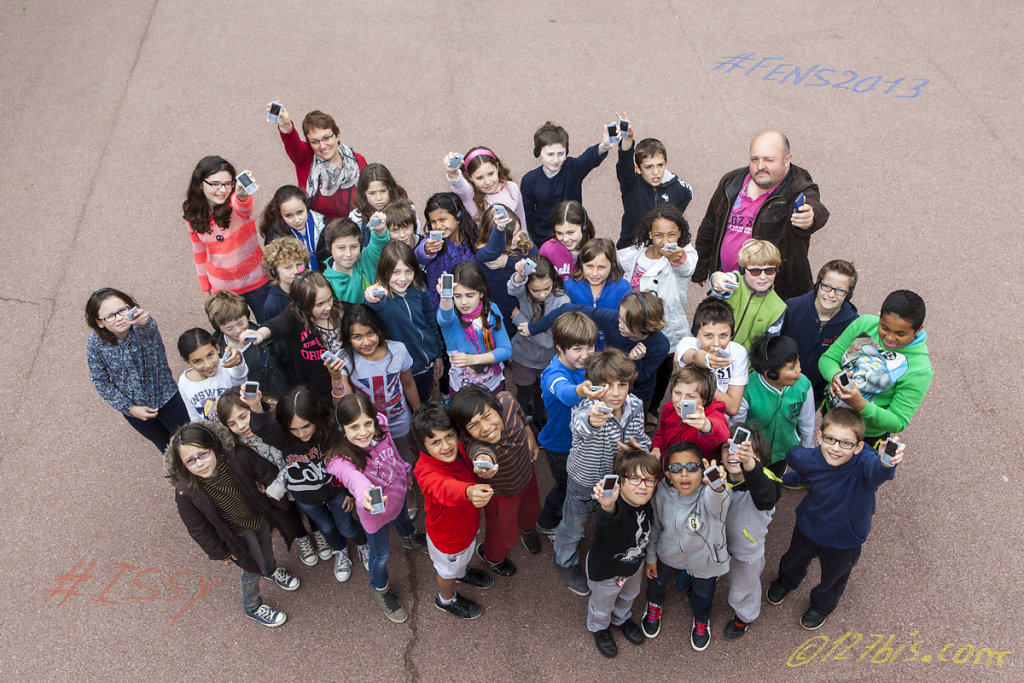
(108, 105)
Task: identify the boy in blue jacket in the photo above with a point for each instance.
(834, 519)
(645, 182)
(562, 387)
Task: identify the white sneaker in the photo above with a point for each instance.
(306, 552)
(364, 555)
(323, 548)
(342, 566)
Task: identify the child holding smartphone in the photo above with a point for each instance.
(229, 315)
(128, 366)
(502, 244)
(622, 531)
(688, 535)
(711, 346)
(609, 422)
(453, 495)
(209, 374)
(374, 191)
(756, 308)
(704, 425)
(366, 458)
(451, 240)
(351, 268)
(288, 215)
(481, 180)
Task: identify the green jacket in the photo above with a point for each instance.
(893, 382)
(349, 288)
(754, 314)
(776, 414)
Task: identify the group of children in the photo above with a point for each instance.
(365, 365)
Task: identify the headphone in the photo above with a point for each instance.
(455, 210)
(536, 152)
(643, 310)
(849, 292)
(710, 385)
(273, 272)
(770, 374)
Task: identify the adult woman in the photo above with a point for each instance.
(224, 243)
(324, 166)
(128, 366)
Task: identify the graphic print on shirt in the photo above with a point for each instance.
(312, 349)
(306, 471)
(385, 391)
(205, 402)
(640, 549)
(740, 221)
(872, 370)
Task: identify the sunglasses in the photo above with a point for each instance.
(678, 467)
(756, 272)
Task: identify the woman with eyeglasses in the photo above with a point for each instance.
(219, 215)
(128, 366)
(325, 167)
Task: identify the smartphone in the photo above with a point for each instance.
(722, 353)
(714, 478)
(437, 235)
(327, 355)
(608, 485)
(613, 132)
(227, 352)
(888, 451)
(731, 283)
(687, 408)
(251, 390)
(132, 314)
(274, 113)
(605, 409)
(500, 214)
(447, 285)
(374, 222)
(249, 337)
(599, 387)
(376, 500)
(739, 438)
(248, 184)
(455, 162)
(528, 267)
(799, 203)
(484, 464)
(624, 127)
(671, 245)
(844, 378)
(379, 292)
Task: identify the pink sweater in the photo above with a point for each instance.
(509, 195)
(561, 258)
(229, 259)
(384, 468)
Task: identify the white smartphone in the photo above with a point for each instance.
(844, 378)
(227, 353)
(722, 353)
(888, 451)
(738, 438)
(623, 128)
(604, 409)
(671, 245)
(608, 485)
(250, 337)
(373, 222)
(687, 408)
(248, 184)
(327, 355)
(378, 291)
(456, 160)
(500, 214)
(447, 285)
(484, 464)
(714, 478)
(274, 113)
(528, 267)
(437, 235)
(598, 387)
(251, 390)
(376, 500)
(132, 314)
(613, 132)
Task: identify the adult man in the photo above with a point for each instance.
(757, 202)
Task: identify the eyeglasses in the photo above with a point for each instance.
(217, 184)
(123, 311)
(678, 467)
(645, 481)
(832, 441)
(201, 455)
(756, 272)
(829, 289)
(317, 143)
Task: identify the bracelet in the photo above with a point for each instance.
(343, 392)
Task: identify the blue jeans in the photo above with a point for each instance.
(261, 550)
(380, 547)
(551, 514)
(702, 591)
(333, 522)
(579, 505)
(255, 299)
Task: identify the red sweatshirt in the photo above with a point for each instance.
(671, 430)
(339, 204)
(451, 521)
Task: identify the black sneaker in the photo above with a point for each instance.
(735, 629)
(605, 643)
(812, 619)
(503, 568)
(531, 540)
(632, 632)
(775, 593)
(652, 621)
(700, 636)
(477, 578)
(463, 608)
(574, 581)
(418, 541)
(550, 533)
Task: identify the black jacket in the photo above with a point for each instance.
(638, 197)
(772, 224)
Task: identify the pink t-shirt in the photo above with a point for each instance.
(561, 258)
(738, 226)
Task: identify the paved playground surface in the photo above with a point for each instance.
(906, 114)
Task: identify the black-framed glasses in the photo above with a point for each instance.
(829, 289)
(123, 312)
(832, 441)
(217, 184)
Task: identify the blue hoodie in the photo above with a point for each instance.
(558, 390)
(837, 510)
(410, 320)
(812, 336)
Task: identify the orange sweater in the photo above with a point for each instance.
(229, 259)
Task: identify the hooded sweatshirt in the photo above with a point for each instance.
(672, 430)
(813, 336)
(638, 197)
(750, 512)
(349, 288)
(837, 510)
(893, 382)
(689, 531)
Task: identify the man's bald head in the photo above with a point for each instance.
(769, 158)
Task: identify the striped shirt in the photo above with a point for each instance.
(512, 452)
(592, 455)
(230, 501)
(229, 260)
